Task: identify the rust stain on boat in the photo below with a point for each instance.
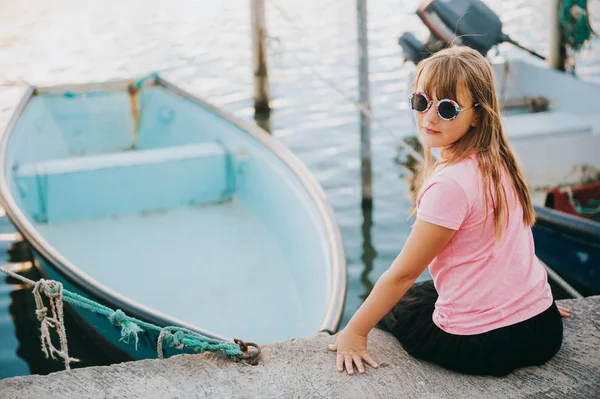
(134, 99)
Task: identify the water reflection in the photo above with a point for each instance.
(368, 250)
(411, 166)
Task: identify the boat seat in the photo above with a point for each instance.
(545, 125)
(115, 184)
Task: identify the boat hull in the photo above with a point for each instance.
(99, 328)
(570, 245)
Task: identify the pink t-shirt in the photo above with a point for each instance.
(482, 285)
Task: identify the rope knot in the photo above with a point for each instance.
(128, 327)
(41, 313)
(176, 340)
(53, 290)
(118, 317)
(173, 339)
(202, 347)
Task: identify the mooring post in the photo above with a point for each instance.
(365, 122)
(557, 54)
(261, 79)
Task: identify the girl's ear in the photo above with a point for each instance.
(475, 119)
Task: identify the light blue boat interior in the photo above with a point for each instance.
(179, 210)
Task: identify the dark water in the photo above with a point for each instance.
(20, 351)
(209, 47)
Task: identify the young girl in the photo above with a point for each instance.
(489, 308)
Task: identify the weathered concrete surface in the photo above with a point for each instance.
(305, 369)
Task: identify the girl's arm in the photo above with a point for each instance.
(423, 244)
(425, 241)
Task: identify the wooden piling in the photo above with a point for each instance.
(557, 54)
(365, 122)
(261, 79)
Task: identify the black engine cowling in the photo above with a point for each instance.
(463, 22)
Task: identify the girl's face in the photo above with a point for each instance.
(436, 132)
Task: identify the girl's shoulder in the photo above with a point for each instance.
(456, 179)
(449, 195)
(465, 173)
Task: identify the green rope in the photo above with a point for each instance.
(139, 83)
(175, 338)
(128, 329)
(574, 18)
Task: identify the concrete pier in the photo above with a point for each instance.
(304, 368)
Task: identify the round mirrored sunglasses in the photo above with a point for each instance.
(446, 108)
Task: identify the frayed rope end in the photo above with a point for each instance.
(128, 328)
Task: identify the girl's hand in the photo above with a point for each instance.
(351, 348)
(564, 312)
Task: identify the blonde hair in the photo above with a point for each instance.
(462, 66)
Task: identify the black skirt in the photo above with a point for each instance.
(496, 352)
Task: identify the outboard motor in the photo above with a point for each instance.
(462, 22)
